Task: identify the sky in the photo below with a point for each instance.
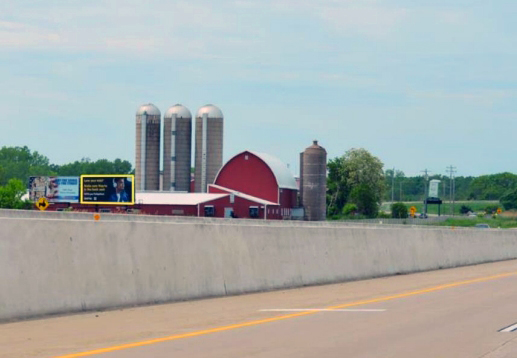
(419, 84)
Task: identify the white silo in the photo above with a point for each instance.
(209, 146)
(177, 148)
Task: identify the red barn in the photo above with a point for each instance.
(261, 176)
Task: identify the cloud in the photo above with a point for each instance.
(484, 97)
(372, 21)
(130, 27)
(18, 35)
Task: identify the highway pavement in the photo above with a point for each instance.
(462, 312)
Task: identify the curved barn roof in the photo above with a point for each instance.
(283, 175)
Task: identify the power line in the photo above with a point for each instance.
(452, 186)
(393, 185)
(426, 177)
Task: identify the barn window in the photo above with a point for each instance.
(209, 210)
(254, 212)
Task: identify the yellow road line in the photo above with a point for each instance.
(283, 317)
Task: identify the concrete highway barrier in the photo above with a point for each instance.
(53, 263)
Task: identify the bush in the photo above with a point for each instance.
(399, 211)
(509, 200)
(365, 199)
(383, 215)
(350, 209)
(11, 195)
(490, 209)
(465, 209)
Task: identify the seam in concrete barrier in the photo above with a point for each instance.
(387, 227)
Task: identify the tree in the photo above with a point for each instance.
(337, 187)
(509, 200)
(366, 200)
(20, 163)
(101, 166)
(492, 187)
(399, 211)
(350, 209)
(11, 195)
(2, 174)
(395, 182)
(356, 170)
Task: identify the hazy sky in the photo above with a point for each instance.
(420, 84)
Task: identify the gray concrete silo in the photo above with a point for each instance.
(209, 146)
(177, 148)
(313, 182)
(147, 163)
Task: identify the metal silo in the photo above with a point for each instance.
(209, 146)
(313, 182)
(177, 148)
(147, 164)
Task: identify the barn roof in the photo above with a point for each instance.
(172, 198)
(283, 175)
(244, 196)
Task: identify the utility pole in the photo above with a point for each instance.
(451, 171)
(426, 177)
(393, 186)
(400, 195)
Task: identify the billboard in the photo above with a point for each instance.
(107, 189)
(54, 189)
(433, 188)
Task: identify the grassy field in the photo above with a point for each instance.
(499, 222)
(477, 206)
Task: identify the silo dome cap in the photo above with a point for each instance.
(179, 110)
(315, 147)
(149, 109)
(211, 110)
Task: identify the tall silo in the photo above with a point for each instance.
(209, 146)
(313, 182)
(177, 148)
(147, 163)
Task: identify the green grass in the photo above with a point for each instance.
(477, 206)
(499, 222)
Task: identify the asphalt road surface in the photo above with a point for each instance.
(462, 312)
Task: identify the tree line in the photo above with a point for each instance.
(357, 185)
(21, 163)
(17, 164)
(485, 187)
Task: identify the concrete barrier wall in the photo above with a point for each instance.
(52, 264)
